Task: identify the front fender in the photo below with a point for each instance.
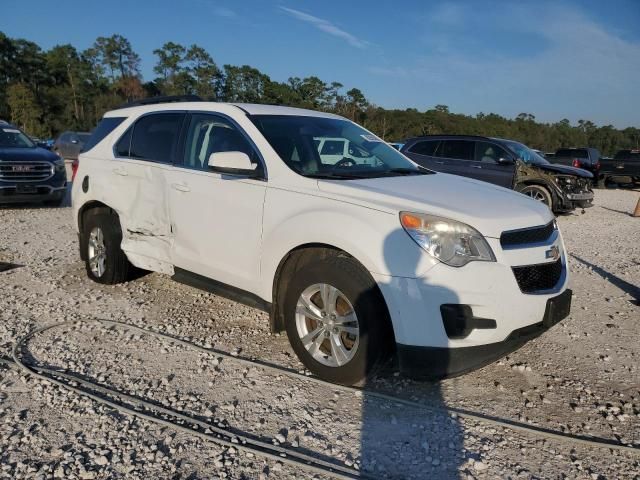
(372, 237)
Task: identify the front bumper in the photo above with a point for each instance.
(40, 193)
(435, 363)
(53, 188)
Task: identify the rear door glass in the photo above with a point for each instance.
(155, 137)
(457, 149)
(427, 147)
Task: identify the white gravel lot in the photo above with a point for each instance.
(581, 377)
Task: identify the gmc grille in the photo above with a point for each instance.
(535, 278)
(25, 172)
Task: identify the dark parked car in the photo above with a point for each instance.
(69, 144)
(586, 158)
(506, 163)
(623, 168)
(29, 173)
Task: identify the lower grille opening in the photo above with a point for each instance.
(534, 278)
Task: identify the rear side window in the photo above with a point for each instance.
(425, 148)
(104, 128)
(458, 149)
(155, 137)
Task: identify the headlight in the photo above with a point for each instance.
(565, 180)
(59, 162)
(451, 242)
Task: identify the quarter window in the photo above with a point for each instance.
(123, 145)
(213, 134)
(155, 137)
(104, 128)
(457, 149)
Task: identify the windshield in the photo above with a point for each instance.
(332, 148)
(525, 154)
(84, 137)
(11, 137)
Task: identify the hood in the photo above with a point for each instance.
(27, 155)
(563, 169)
(486, 207)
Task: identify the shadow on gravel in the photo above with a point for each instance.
(399, 441)
(628, 214)
(623, 285)
(4, 266)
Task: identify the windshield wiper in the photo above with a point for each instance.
(407, 171)
(334, 176)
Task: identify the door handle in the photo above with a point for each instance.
(476, 166)
(439, 163)
(120, 171)
(181, 187)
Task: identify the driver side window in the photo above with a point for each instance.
(489, 152)
(209, 134)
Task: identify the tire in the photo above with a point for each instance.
(537, 192)
(102, 235)
(357, 359)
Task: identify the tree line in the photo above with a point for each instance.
(48, 91)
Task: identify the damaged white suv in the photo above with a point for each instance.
(356, 260)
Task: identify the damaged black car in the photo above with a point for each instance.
(506, 163)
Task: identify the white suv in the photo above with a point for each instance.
(355, 260)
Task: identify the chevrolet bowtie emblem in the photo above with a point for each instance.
(553, 252)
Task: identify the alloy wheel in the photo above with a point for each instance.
(327, 325)
(97, 252)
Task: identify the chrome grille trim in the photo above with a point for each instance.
(37, 171)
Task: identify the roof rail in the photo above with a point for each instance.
(165, 99)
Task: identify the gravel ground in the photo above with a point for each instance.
(580, 377)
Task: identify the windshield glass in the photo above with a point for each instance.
(332, 148)
(525, 154)
(84, 137)
(11, 137)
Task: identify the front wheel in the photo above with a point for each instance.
(337, 321)
(537, 192)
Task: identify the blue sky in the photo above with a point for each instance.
(554, 59)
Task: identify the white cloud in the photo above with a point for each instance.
(327, 27)
(580, 69)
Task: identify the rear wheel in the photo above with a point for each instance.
(537, 192)
(337, 321)
(105, 260)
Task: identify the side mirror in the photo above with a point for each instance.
(234, 163)
(505, 161)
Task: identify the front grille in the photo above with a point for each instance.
(25, 172)
(535, 278)
(527, 235)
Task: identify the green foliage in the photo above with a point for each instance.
(47, 92)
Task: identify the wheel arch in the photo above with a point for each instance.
(295, 259)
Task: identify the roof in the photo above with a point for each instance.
(248, 108)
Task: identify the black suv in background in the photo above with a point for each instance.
(506, 163)
(29, 173)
